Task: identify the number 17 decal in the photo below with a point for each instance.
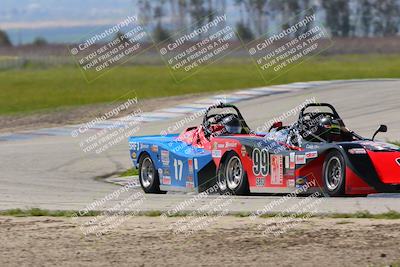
(178, 167)
(260, 162)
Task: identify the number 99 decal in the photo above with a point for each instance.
(260, 162)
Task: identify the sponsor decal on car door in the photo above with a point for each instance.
(276, 170)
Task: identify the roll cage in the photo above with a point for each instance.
(297, 131)
(210, 120)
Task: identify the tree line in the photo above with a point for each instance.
(6, 42)
(252, 18)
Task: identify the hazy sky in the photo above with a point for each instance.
(55, 13)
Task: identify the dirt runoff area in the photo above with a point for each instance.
(227, 241)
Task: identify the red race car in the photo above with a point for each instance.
(317, 153)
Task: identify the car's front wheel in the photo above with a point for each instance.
(334, 174)
(221, 180)
(148, 175)
(232, 176)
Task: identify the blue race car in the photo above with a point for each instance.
(185, 162)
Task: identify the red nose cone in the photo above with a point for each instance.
(387, 165)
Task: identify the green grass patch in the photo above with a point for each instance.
(153, 213)
(36, 212)
(130, 172)
(358, 215)
(242, 214)
(390, 215)
(344, 222)
(35, 89)
(393, 215)
(6, 58)
(287, 215)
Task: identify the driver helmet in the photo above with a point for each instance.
(328, 128)
(232, 125)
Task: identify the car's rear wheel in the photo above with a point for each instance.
(334, 174)
(148, 175)
(233, 175)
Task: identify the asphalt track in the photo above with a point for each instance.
(54, 173)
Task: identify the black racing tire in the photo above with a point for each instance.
(234, 175)
(148, 175)
(221, 180)
(334, 174)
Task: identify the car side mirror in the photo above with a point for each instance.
(382, 129)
